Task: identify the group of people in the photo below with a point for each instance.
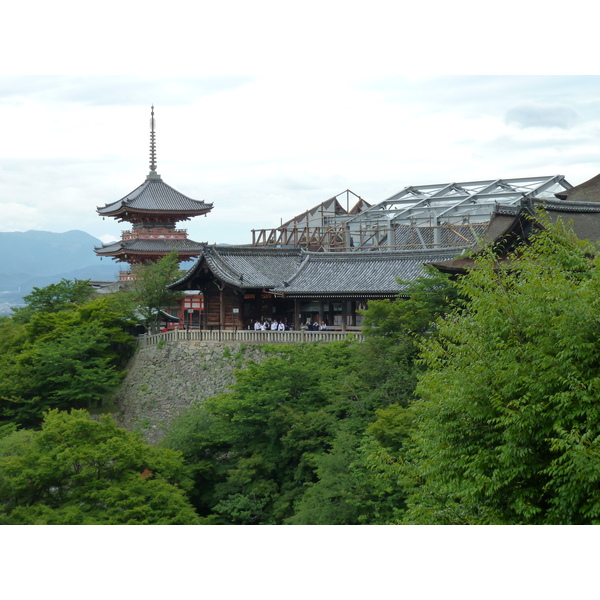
(273, 325)
(315, 325)
(283, 325)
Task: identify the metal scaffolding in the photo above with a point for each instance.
(452, 215)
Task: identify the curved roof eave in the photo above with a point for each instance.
(154, 195)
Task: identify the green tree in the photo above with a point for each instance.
(508, 419)
(255, 449)
(53, 298)
(356, 484)
(393, 331)
(67, 359)
(148, 292)
(79, 471)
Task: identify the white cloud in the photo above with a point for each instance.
(266, 148)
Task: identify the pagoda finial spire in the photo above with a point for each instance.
(153, 174)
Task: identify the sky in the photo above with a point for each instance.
(267, 111)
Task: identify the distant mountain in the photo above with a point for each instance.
(38, 258)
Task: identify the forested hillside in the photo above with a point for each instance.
(474, 402)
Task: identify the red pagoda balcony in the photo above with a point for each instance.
(126, 276)
(155, 234)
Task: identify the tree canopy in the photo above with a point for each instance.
(472, 402)
(70, 357)
(507, 426)
(76, 470)
(53, 298)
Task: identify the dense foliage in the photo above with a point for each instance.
(508, 417)
(69, 358)
(53, 298)
(79, 471)
(66, 350)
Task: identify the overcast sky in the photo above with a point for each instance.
(267, 108)
(266, 118)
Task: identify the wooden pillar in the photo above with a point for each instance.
(352, 313)
(344, 315)
(221, 309)
(257, 306)
(321, 312)
(297, 313)
(240, 315)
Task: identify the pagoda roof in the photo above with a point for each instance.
(149, 246)
(155, 196)
(358, 274)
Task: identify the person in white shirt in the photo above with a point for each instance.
(281, 326)
(274, 325)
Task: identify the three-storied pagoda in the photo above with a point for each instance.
(153, 209)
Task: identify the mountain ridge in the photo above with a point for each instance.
(36, 258)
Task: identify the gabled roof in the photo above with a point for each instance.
(358, 274)
(245, 267)
(588, 191)
(320, 214)
(153, 196)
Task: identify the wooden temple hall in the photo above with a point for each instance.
(327, 263)
(239, 285)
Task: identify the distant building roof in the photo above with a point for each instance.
(105, 287)
(319, 228)
(324, 213)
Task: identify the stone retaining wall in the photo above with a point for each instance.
(165, 379)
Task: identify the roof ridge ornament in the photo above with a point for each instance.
(153, 174)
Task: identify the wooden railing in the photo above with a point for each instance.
(247, 336)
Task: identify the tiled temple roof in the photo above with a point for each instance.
(584, 217)
(358, 274)
(245, 267)
(297, 273)
(154, 195)
(588, 191)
